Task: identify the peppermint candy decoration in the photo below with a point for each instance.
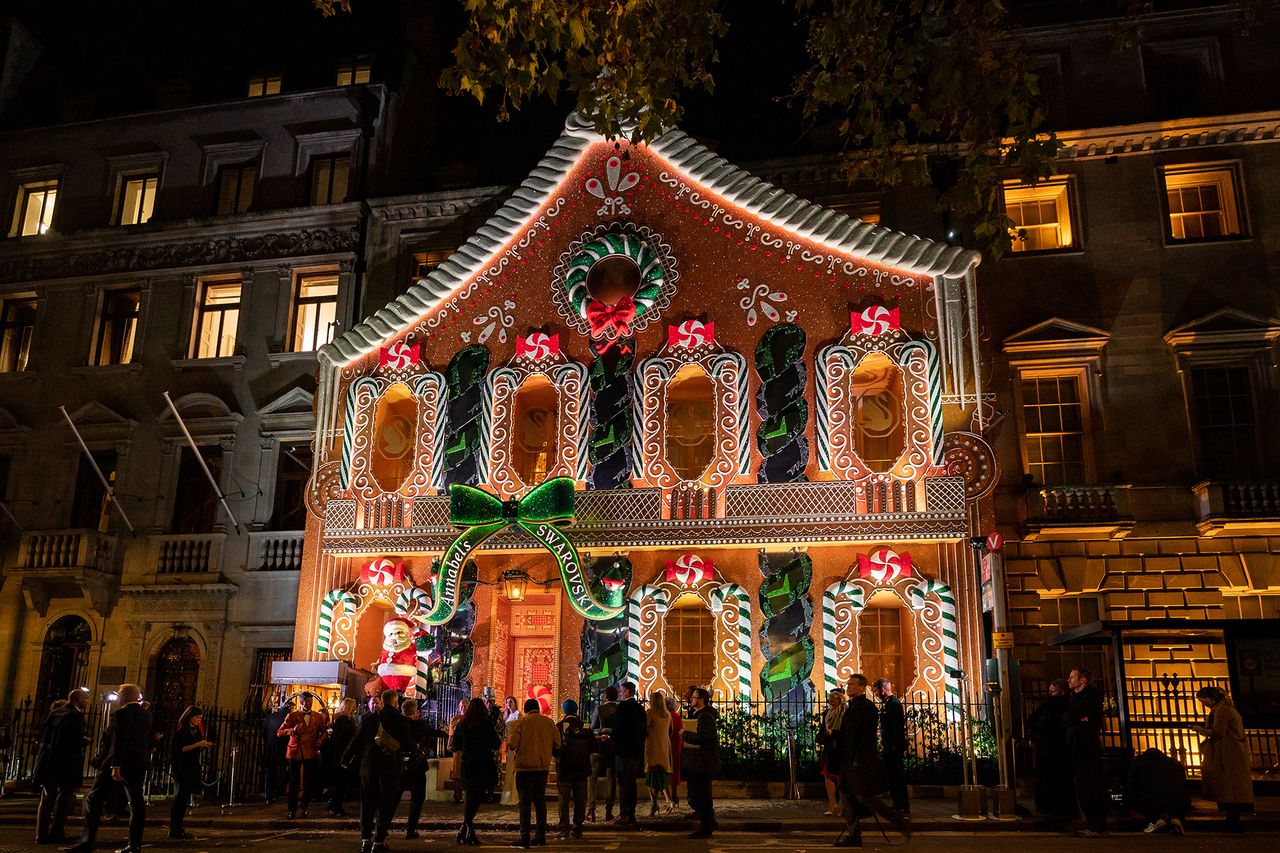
(884, 565)
(382, 572)
(691, 334)
(538, 346)
(542, 693)
(399, 356)
(689, 570)
(876, 320)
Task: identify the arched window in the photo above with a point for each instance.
(395, 433)
(689, 643)
(886, 640)
(534, 448)
(691, 422)
(177, 675)
(64, 660)
(880, 430)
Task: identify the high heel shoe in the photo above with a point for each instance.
(471, 837)
(462, 834)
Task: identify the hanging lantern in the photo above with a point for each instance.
(515, 583)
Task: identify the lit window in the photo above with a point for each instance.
(315, 312)
(34, 211)
(117, 327)
(885, 643)
(1041, 216)
(90, 506)
(1203, 202)
(395, 434)
(425, 262)
(533, 437)
(264, 85)
(17, 326)
(353, 73)
(235, 188)
(1226, 429)
(329, 179)
(689, 643)
(138, 198)
(879, 417)
(217, 315)
(1054, 437)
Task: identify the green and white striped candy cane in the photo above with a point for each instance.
(324, 634)
(831, 627)
(349, 426)
(662, 601)
(950, 627)
(414, 600)
(718, 600)
(934, 378)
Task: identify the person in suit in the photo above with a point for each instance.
(701, 759)
(477, 741)
(893, 745)
(602, 760)
(861, 771)
(629, 727)
(306, 732)
(125, 759)
(59, 766)
(189, 744)
(379, 745)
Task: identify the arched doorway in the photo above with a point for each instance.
(886, 640)
(689, 643)
(64, 660)
(177, 675)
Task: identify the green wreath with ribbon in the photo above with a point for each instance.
(541, 513)
(630, 313)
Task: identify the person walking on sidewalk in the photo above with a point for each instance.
(417, 757)
(629, 726)
(338, 738)
(1224, 757)
(893, 746)
(59, 767)
(189, 746)
(379, 745)
(677, 741)
(1054, 794)
(533, 739)
(125, 758)
(604, 758)
(573, 767)
(476, 741)
(306, 732)
(701, 759)
(657, 751)
(861, 770)
(1083, 721)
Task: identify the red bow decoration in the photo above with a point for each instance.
(617, 316)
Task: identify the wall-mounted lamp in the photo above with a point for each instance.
(515, 583)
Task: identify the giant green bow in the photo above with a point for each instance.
(540, 513)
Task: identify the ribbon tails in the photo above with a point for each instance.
(541, 513)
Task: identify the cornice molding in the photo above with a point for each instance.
(1172, 135)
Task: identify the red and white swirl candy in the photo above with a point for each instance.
(876, 320)
(538, 346)
(691, 334)
(542, 693)
(884, 565)
(689, 570)
(399, 356)
(382, 572)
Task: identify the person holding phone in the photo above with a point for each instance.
(189, 746)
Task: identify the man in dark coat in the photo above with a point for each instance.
(1047, 727)
(417, 755)
(60, 766)
(861, 773)
(700, 760)
(1157, 790)
(602, 761)
(629, 726)
(893, 745)
(126, 751)
(1084, 741)
(341, 731)
(573, 767)
(380, 768)
(273, 750)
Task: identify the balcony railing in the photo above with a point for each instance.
(67, 549)
(188, 554)
(1100, 511)
(1237, 506)
(275, 551)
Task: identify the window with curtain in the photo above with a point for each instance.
(117, 326)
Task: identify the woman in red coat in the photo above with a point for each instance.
(677, 743)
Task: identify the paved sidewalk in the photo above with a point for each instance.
(735, 815)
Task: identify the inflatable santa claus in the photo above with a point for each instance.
(397, 666)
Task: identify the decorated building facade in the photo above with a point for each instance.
(658, 419)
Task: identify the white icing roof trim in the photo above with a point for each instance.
(805, 219)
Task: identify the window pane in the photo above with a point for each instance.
(116, 326)
(1053, 444)
(216, 320)
(36, 213)
(17, 325)
(1223, 410)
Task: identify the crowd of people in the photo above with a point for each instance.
(384, 754)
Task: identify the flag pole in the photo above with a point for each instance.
(102, 478)
(5, 509)
(200, 458)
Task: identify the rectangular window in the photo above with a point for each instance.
(1054, 417)
(117, 327)
(137, 198)
(1041, 215)
(90, 507)
(235, 188)
(7, 528)
(353, 73)
(264, 85)
(1226, 428)
(315, 312)
(195, 504)
(1204, 203)
(689, 643)
(17, 327)
(1182, 77)
(329, 179)
(293, 469)
(217, 315)
(34, 211)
